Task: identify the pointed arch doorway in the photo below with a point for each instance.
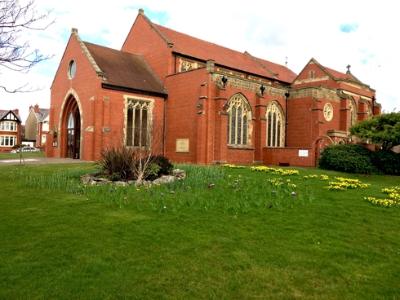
(72, 129)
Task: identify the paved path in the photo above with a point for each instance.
(42, 161)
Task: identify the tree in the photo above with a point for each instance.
(383, 130)
(16, 54)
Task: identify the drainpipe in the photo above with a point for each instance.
(164, 125)
(287, 94)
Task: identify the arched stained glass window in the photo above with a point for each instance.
(275, 125)
(239, 121)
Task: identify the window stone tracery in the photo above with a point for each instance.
(239, 119)
(138, 121)
(275, 125)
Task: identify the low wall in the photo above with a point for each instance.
(301, 157)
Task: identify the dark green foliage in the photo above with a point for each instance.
(387, 162)
(120, 163)
(383, 130)
(164, 164)
(117, 163)
(347, 158)
(153, 171)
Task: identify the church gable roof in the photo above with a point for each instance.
(336, 75)
(124, 70)
(187, 45)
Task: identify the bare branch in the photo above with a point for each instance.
(17, 19)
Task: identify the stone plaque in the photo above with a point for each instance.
(182, 145)
(303, 153)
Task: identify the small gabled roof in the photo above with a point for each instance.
(42, 114)
(193, 47)
(4, 113)
(124, 70)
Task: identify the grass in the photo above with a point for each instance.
(221, 233)
(24, 155)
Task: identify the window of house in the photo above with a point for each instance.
(311, 74)
(8, 126)
(8, 141)
(275, 125)
(239, 121)
(138, 118)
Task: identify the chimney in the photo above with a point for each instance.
(16, 111)
(36, 108)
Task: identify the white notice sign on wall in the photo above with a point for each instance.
(303, 153)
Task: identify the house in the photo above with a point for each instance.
(37, 125)
(198, 102)
(10, 129)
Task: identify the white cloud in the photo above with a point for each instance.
(271, 30)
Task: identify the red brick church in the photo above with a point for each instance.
(195, 101)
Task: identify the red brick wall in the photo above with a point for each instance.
(301, 122)
(288, 156)
(144, 40)
(113, 121)
(102, 111)
(86, 84)
(182, 118)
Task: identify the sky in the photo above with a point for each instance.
(364, 34)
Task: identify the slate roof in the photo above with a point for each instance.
(125, 70)
(3, 113)
(42, 114)
(200, 49)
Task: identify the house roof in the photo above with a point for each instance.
(190, 46)
(125, 70)
(42, 114)
(3, 113)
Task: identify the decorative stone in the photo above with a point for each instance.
(179, 174)
(164, 179)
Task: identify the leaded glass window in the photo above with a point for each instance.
(138, 123)
(239, 112)
(275, 125)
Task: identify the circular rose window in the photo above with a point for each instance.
(71, 69)
(328, 111)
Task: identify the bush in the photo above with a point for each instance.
(387, 162)
(165, 165)
(347, 158)
(117, 163)
(120, 164)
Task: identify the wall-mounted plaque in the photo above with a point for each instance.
(182, 145)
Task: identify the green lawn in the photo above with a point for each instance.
(24, 155)
(221, 233)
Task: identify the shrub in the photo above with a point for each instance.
(347, 158)
(387, 162)
(165, 165)
(153, 171)
(117, 163)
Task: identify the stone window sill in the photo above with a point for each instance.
(240, 147)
